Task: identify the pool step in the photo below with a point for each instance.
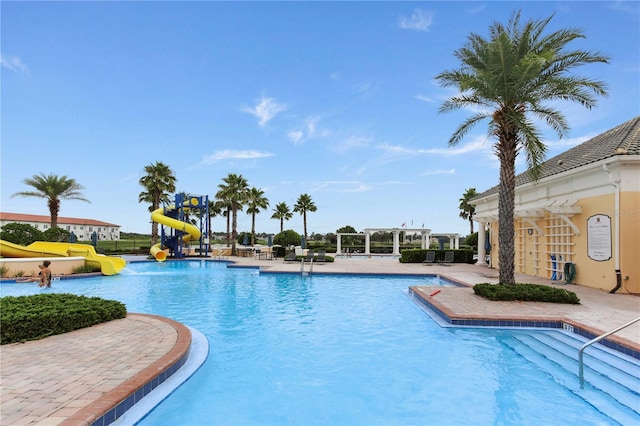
(612, 379)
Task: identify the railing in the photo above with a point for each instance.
(596, 340)
(302, 266)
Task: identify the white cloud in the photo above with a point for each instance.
(310, 131)
(439, 172)
(265, 110)
(424, 98)
(229, 154)
(14, 63)
(341, 186)
(419, 21)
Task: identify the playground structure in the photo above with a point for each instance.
(187, 221)
(108, 265)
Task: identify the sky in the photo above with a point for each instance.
(333, 99)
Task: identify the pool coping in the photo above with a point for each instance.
(424, 296)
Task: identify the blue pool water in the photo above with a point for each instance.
(324, 350)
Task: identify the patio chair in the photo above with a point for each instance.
(430, 259)
(321, 256)
(290, 257)
(309, 256)
(448, 259)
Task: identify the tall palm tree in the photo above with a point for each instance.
(158, 182)
(233, 192)
(282, 213)
(468, 210)
(53, 188)
(256, 201)
(303, 205)
(511, 79)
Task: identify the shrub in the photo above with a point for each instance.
(85, 269)
(20, 233)
(526, 293)
(41, 315)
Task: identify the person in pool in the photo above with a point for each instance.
(46, 275)
(32, 279)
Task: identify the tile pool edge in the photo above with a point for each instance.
(614, 342)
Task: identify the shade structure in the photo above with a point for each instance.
(303, 243)
(269, 240)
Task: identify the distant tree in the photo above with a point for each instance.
(287, 238)
(53, 188)
(282, 213)
(512, 79)
(56, 235)
(331, 238)
(158, 182)
(233, 192)
(468, 210)
(20, 233)
(256, 201)
(347, 240)
(471, 240)
(303, 205)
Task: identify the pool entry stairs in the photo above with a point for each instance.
(607, 372)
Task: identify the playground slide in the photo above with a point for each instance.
(193, 233)
(108, 265)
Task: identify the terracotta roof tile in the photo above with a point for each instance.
(19, 217)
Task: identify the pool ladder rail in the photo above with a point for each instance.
(310, 266)
(596, 340)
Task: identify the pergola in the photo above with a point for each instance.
(425, 234)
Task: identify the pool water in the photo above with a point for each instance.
(288, 349)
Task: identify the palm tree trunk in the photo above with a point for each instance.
(234, 232)
(228, 226)
(253, 229)
(304, 216)
(281, 224)
(470, 225)
(507, 151)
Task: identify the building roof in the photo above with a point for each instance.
(19, 217)
(621, 140)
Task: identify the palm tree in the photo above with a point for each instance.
(53, 188)
(234, 194)
(303, 205)
(256, 201)
(510, 79)
(468, 210)
(282, 213)
(158, 183)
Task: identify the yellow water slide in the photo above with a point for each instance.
(108, 265)
(192, 232)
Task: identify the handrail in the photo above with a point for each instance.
(302, 266)
(596, 340)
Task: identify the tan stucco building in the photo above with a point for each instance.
(583, 209)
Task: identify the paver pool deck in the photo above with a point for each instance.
(74, 378)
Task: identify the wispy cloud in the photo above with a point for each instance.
(229, 154)
(424, 98)
(13, 63)
(341, 186)
(439, 172)
(265, 110)
(309, 130)
(419, 20)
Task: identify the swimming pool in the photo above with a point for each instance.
(318, 349)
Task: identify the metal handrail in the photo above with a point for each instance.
(596, 340)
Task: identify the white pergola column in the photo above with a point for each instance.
(396, 242)
(424, 241)
(482, 252)
(367, 243)
(339, 244)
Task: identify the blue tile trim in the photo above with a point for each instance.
(117, 411)
(520, 323)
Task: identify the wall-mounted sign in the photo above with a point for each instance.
(599, 237)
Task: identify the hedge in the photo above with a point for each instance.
(419, 255)
(34, 317)
(526, 293)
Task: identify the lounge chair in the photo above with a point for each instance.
(448, 259)
(430, 259)
(291, 257)
(309, 256)
(321, 256)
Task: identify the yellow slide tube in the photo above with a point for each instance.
(193, 233)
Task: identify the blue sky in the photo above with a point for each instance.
(334, 99)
